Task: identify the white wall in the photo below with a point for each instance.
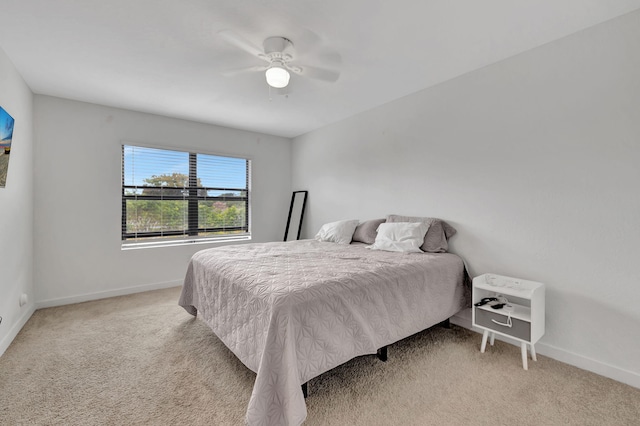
(16, 207)
(78, 196)
(535, 160)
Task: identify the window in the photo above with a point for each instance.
(176, 196)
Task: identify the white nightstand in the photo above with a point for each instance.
(523, 322)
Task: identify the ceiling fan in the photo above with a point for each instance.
(279, 55)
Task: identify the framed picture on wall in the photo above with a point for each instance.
(6, 134)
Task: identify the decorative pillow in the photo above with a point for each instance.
(439, 232)
(403, 237)
(337, 232)
(366, 231)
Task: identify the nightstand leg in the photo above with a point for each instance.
(492, 338)
(523, 349)
(533, 352)
(485, 335)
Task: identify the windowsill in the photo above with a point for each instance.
(174, 243)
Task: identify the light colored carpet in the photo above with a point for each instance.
(141, 359)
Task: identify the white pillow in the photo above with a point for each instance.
(400, 236)
(339, 232)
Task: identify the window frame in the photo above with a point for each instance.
(191, 194)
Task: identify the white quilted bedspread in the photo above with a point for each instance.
(293, 310)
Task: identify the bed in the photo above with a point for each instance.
(291, 311)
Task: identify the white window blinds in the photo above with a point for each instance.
(170, 195)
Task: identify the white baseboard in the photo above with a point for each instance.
(618, 374)
(463, 319)
(6, 341)
(104, 294)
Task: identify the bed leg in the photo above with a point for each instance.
(382, 354)
(305, 389)
(446, 323)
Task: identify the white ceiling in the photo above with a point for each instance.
(166, 56)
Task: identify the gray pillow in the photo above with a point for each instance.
(366, 231)
(435, 241)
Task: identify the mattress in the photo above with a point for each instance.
(291, 311)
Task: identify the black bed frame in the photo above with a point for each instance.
(381, 354)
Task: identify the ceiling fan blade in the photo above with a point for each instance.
(317, 73)
(326, 57)
(332, 58)
(236, 71)
(241, 43)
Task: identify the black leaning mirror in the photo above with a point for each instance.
(296, 213)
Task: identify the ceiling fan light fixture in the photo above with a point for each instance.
(277, 77)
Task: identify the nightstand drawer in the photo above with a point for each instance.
(519, 329)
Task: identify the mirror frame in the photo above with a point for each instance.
(304, 204)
